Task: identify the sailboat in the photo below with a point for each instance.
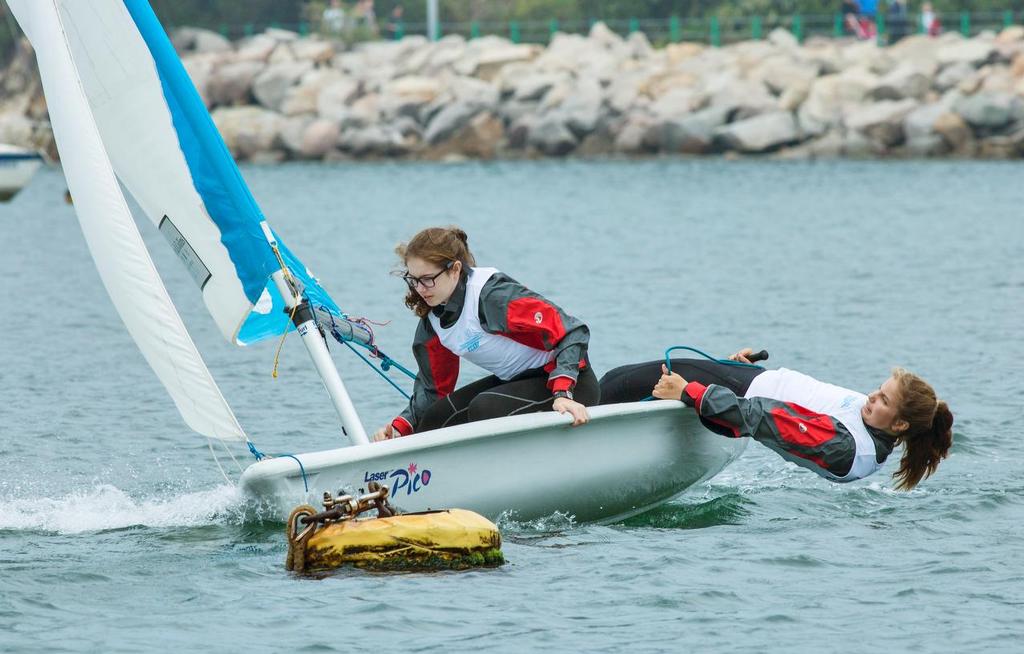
(124, 110)
(17, 166)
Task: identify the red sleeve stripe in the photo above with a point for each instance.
(534, 323)
(402, 426)
(695, 391)
(561, 383)
(444, 366)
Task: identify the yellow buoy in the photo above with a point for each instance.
(433, 540)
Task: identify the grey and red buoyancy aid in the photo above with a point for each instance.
(500, 325)
(809, 422)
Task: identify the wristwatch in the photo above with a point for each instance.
(566, 394)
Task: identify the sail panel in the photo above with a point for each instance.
(124, 265)
(227, 198)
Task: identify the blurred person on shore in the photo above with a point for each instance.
(393, 28)
(898, 21)
(333, 18)
(930, 23)
(851, 18)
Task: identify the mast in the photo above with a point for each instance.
(316, 346)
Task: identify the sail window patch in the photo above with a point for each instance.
(195, 266)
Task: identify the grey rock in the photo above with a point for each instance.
(689, 134)
(551, 136)
(919, 124)
(231, 84)
(974, 52)
(882, 121)
(952, 75)
(198, 40)
(759, 134)
(333, 99)
(987, 110)
(271, 85)
(450, 119)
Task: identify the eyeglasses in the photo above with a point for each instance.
(426, 281)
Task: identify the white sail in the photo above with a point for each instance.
(123, 262)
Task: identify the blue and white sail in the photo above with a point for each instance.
(167, 152)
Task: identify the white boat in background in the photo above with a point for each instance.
(124, 110)
(17, 166)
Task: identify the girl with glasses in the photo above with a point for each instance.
(536, 353)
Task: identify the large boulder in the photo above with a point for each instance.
(335, 96)
(742, 99)
(491, 61)
(761, 133)
(920, 123)
(882, 122)
(302, 98)
(249, 132)
(256, 48)
(372, 140)
(290, 134)
(581, 110)
(231, 84)
(781, 72)
(449, 120)
(688, 134)
(319, 138)
(952, 76)
(973, 51)
(954, 130)
(481, 138)
(270, 86)
(198, 40)
(988, 110)
(830, 96)
(313, 50)
(551, 136)
(904, 81)
(405, 96)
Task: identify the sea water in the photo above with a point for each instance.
(118, 533)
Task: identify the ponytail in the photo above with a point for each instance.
(929, 437)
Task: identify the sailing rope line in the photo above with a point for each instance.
(293, 285)
(728, 362)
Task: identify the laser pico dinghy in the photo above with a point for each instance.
(123, 109)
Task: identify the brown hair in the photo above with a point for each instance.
(440, 246)
(930, 435)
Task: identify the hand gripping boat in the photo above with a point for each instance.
(124, 111)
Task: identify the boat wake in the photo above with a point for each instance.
(106, 507)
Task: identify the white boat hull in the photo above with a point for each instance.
(17, 166)
(629, 459)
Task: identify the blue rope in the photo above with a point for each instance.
(386, 362)
(260, 456)
(374, 368)
(728, 362)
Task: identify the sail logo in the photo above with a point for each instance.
(411, 479)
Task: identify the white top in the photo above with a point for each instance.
(841, 403)
(497, 354)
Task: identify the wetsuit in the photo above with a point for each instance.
(532, 348)
(814, 424)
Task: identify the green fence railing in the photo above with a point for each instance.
(714, 30)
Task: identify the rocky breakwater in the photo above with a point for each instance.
(277, 96)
